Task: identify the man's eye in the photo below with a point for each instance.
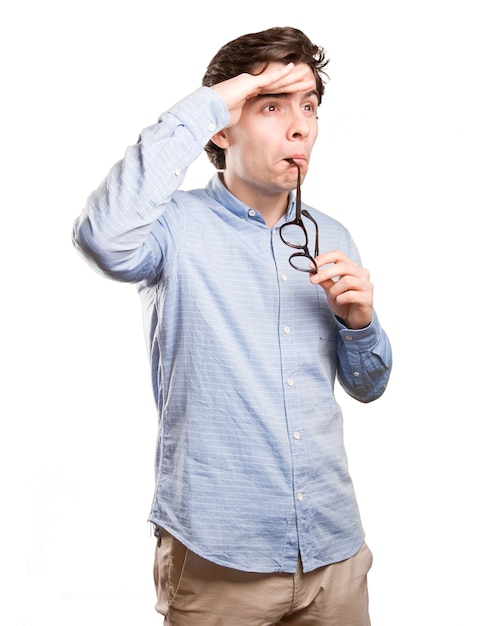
(271, 107)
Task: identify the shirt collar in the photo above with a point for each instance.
(217, 190)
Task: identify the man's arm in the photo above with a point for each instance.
(113, 231)
(364, 351)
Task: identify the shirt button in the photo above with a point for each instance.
(211, 126)
(356, 373)
(287, 330)
(177, 171)
(284, 278)
(296, 435)
(291, 382)
(299, 497)
(251, 212)
(348, 337)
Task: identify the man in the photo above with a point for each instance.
(254, 509)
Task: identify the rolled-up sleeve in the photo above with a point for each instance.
(114, 230)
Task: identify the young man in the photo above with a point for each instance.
(254, 509)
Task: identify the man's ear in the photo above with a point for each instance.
(220, 139)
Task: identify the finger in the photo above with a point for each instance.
(333, 256)
(288, 85)
(333, 272)
(350, 284)
(335, 264)
(288, 78)
(271, 76)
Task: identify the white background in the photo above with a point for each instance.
(397, 160)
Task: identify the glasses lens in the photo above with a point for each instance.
(302, 262)
(294, 235)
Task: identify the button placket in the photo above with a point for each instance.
(287, 334)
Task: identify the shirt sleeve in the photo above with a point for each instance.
(365, 361)
(114, 231)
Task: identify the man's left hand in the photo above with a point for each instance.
(347, 287)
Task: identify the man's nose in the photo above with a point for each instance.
(299, 126)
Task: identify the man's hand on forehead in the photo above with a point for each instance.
(275, 79)
(295, 78)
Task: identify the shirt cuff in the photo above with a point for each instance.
(361, 339)
(203, 112)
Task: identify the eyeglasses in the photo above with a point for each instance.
(295, 235)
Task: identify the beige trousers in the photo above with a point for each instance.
(192, 591)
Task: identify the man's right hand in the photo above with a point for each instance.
(276, 78)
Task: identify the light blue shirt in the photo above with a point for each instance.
(251, 468)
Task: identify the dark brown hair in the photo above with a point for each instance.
(246, 53)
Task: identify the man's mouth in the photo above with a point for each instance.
(298, 161)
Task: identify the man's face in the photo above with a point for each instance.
(272, 128)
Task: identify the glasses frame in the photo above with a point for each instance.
(304, 250)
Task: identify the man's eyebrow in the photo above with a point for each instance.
(312, 92)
